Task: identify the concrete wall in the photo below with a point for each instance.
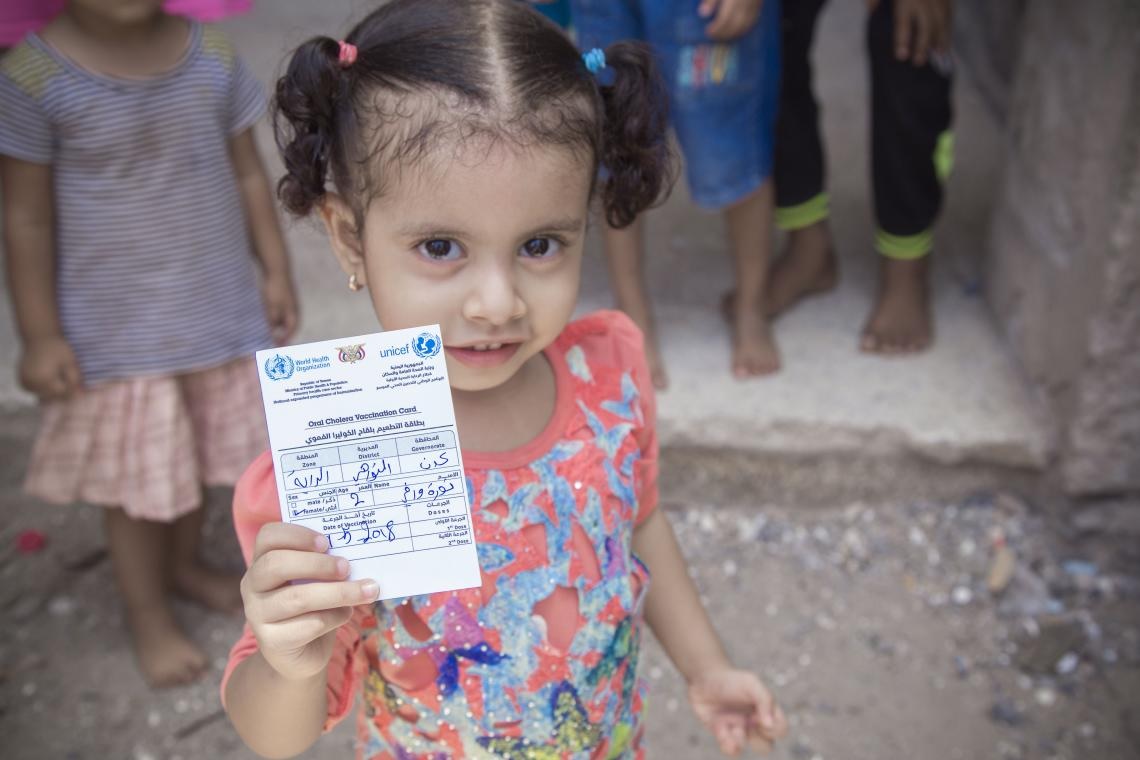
(1064, 264)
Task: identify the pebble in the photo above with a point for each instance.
(1087, 730)
(1003, 710)
(1068, 663)
(28, 689)
(153, 718)
(962, 595)
(729, 568)
(1045, 697)
(61, 606)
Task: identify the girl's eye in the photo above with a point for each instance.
(540, 248)
(440, 249)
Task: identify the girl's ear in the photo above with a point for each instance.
(340, 223)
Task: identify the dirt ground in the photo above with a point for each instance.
(871, 621)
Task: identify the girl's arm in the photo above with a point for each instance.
(47, 366)
(275, 716)
(733, 704)
(673, 607)
(277, 698)
(268, 243)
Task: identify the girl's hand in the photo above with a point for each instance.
(280, 306)
(295, 623)
(733, 17)
(48, 369)
(738, 710)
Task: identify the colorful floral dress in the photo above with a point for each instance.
(541, 661)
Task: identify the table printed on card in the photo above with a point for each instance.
(366, 452)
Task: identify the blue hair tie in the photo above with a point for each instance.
(595, 60)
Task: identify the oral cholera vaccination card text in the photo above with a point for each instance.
(366, 452)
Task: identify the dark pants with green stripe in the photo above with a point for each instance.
(911, 146)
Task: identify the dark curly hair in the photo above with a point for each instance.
(429, 71)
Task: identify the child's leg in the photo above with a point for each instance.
(911, 152)
(140, 551)
(212, 588)
(808, 265)
(625, 256)
(750, 237)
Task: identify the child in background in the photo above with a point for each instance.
(721, 59)
(470, 210)
(908, 42)
(18, 17)
(133, 197)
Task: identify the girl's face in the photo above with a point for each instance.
(489, 246)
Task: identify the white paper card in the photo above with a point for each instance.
(366, 452)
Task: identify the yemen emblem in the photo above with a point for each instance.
(351, 354)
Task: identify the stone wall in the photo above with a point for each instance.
(1064, 263)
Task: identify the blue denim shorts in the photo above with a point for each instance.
(723, 95)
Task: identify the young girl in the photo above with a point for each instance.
(462, 139)
(133, 194)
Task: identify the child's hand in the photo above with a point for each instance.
(738, 710)
(733, 17)
(48, 369)
(921, 27)
(295, 623)
(280, 306)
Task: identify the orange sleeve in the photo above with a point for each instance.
(631, 352)
(255, 505)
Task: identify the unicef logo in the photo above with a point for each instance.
(278, 367)
(426, 345)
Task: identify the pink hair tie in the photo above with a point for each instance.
(347, 55)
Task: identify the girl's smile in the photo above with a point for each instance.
(484, 354)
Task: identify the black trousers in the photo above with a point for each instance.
(911, 146)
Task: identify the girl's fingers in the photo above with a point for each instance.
(903, 23)
(921, 37)
(303, 598)
(779, 724)
(71, 376)
(305, 629)
(281, 535)
(707, 8)
(759, 744)
(276, 568)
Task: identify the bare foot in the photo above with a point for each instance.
(900, 322)
(807, 267)
(212, 589)
(166, 656)
(754, 353)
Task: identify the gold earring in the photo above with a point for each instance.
(353, 285)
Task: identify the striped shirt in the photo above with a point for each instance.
(154, 269)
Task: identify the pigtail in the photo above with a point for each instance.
(308, 100)
(639, 163)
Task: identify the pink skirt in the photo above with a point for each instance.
(149, 444)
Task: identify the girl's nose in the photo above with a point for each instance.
(494, 299)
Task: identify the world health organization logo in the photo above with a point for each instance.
(426, 345)
(278, 367)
